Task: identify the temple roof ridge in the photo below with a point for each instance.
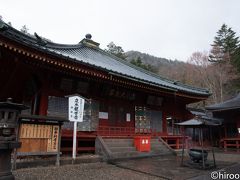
(88, 52)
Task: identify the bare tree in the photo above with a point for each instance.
(214, 76)
(206, 73)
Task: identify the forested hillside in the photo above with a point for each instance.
(162, 66)
(217, 70)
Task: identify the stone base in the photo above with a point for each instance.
(5, 161)
(7, 176)
(9, 145)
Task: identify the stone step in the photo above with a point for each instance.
(161, 149)
(117, 149)
(157, 146)
(136, 154)
(161, 152)
(119, 144)
(158, 143)
(122, 149)
(118, 140)
(155, 141)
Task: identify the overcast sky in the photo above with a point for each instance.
(171, 29)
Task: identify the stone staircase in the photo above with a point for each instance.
(123, 148)
(159, 147)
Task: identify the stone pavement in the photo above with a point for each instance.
(166, 167)
(85, 171)
(161, 167)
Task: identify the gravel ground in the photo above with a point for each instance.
(99, 170)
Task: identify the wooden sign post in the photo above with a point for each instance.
(75, 114)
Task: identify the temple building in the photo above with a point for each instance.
(122, 100)
(228, 135)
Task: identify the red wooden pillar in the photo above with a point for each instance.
(43, 102)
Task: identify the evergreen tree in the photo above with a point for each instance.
(138, 62)
(236, 59)
(224, 45)
(224, 58)
(115, 50)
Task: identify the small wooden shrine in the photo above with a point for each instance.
(229, 133)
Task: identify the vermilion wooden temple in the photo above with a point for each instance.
(122, 99)
(228, 135)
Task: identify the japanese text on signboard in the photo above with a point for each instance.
(76, 107)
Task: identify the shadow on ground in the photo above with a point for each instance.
(167, 167)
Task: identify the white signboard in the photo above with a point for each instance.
(103, 115)
(75, 108)
(75, 114)
(128, 117)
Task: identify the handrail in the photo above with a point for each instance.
(167, 145)
(102, 148)
(119, 130)
(126, 131)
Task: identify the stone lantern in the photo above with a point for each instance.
(9, 112)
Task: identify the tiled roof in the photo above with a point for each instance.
(94, 56)
(233, 103)
(197, 122)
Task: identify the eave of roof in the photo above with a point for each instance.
(230, 104)
(76, 53)
(197, 122)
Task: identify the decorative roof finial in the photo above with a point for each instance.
(88, 41)
(88, 36)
